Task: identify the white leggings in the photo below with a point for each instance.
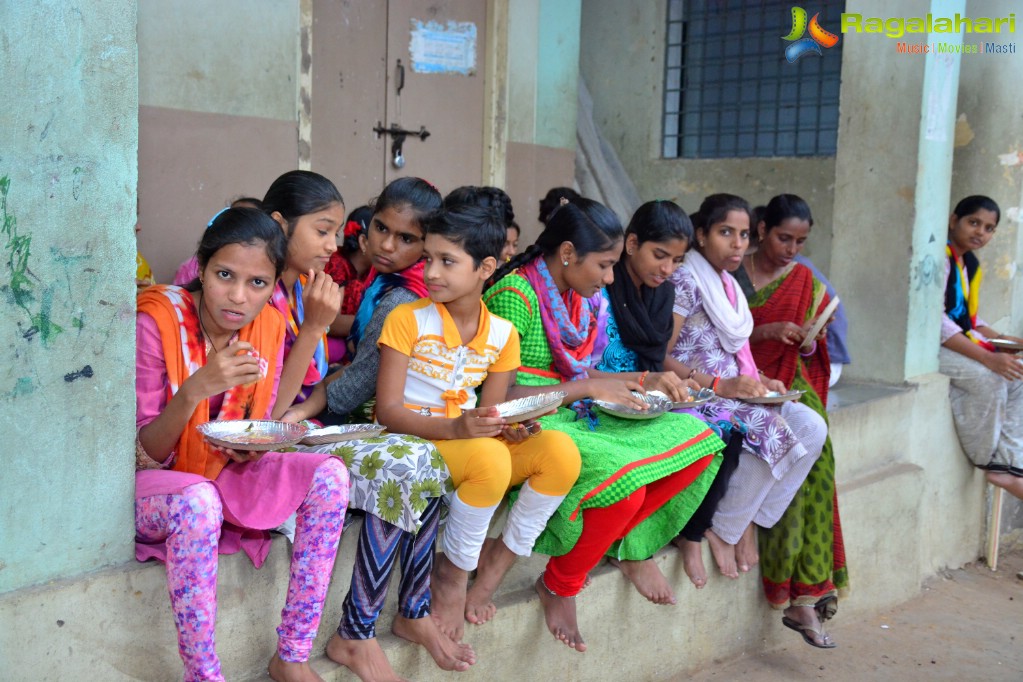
(754, 494)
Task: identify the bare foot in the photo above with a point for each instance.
(1012, 484)
(559, 612)
(746, 554)
(724, 554)
(448, 655)
(283, 671)
(447, 585)
(692, 561)
(648, 579)
(806, 616)
(364, 657)
(495, 560)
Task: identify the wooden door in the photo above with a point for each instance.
(357, 46)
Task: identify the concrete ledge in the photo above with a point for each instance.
(910, 505)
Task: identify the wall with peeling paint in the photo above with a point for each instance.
(68, 144)
(622, 59)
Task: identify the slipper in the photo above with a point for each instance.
(808, 632)
(826, 607)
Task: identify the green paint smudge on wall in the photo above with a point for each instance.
(18, 249)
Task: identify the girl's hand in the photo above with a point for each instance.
(741, 386)
(516, 433)
(775, 385)
(1006, 365)
(787, 332)
(236, 365)
(321, 300)
(618, 391)
(240, 456)
(294, 414)
(670, 384)
(482, 422)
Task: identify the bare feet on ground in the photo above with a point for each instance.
(724, 554)
(807, 617)
(495, 560)
(692, 561)
(447, 584)
(746, 554)
(364, 657)
(1012, 484)
(648, 579)
(559, 612)
(283, 671)
(447, 654)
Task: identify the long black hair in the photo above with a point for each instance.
(716, 208)
(415, 194)
(248, 226)
(976, 202)
(660, 221)
(552, 200)
(588, 225)
(783, 207)
(298, 193)
(487, 197)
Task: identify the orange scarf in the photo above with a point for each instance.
(184, 352)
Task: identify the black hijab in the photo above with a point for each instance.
(643, 316)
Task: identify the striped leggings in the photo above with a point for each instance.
(380, 545)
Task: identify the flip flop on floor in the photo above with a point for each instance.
(808, 632)
(826, 607)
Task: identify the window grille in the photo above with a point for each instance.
(729, 90)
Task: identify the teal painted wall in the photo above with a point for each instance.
(68, 148)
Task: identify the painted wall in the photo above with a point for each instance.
(543, 67)
(218, 115)
(68, 144)
(622, 59)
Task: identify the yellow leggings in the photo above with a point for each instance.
(483, 469)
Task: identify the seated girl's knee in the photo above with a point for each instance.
(489, 467)
(334, 473)
(564, 460)
(204, 503)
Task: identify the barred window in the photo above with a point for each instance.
(729, 90)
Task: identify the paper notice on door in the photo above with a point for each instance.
(450, 48)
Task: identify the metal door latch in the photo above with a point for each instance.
(398, 135)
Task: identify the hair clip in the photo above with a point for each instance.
(563, 201)
(215, 216)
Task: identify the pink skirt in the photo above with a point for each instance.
(256, 496)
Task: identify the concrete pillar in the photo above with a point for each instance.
(68, 151)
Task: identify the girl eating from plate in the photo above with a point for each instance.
(214, 351)
(713, 324)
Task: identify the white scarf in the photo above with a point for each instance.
(733, 324)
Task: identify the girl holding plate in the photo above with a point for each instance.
(639, 483)
(713, 325)
(986, 387)
(214, 351)
(802, 555)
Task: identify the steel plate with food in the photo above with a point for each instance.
(531, 407)
(704, 395)
(342, 432)
(658, 406)
(773, 397)
(252, 434)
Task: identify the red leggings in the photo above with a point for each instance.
(566, 574)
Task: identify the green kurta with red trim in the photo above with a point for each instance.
(619, 456)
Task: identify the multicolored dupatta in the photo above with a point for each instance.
(184, 352)
(965, 276)
(376, 287)
(573, 316)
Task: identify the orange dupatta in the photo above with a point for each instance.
(184, 352)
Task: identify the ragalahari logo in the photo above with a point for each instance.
(818, 38)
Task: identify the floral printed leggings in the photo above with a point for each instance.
(190, 522)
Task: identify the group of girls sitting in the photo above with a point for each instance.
(449, 326)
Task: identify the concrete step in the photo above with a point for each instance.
(910, 504)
